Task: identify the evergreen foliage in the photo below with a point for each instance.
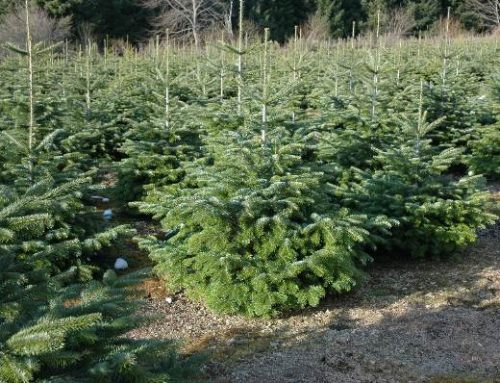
(340, 15)
(257, 234)
(114, 18)
(485, 156)
(454, 99)
(438, 214)
(279, 15)
(276, 172)
(63, 326)
(157, 147)
(61, 320)
(130, 20)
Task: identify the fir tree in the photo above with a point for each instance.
(485, 149)
(63, 327)
(156, 147)
(279, 15)
(485, 156)
(334, 13)
(453, 103)
(437, 213)
(256, 235)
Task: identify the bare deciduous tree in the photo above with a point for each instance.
(228, 18)
(187, 17)
(486, 10)
(400, 23)
(42, 26)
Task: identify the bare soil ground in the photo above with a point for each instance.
(433, 322)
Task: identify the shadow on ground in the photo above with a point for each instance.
(436, 322)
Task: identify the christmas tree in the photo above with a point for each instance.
(256, 233)
(410, 182)
(64, 326)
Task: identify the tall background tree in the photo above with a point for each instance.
(137, 20)
(341, 14)
(279, 15)
(186, 17)
(113, 18)
(487, 12)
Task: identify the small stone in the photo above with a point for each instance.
(121, 264)
(169, 300)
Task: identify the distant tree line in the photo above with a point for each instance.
(137, 19)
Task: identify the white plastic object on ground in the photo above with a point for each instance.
(107, 214)
(121, 264)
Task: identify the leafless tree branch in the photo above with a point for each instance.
(43, 28)
(193, 16)
(486, 10)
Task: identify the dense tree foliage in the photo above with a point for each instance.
(113, 18)
(279, 15)
(329, 164)
(62, 316)
(62, 325)
(130, 19)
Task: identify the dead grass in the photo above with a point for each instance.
(154, 288)
(230, 345)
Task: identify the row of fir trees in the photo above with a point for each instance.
(62, 318)
(276, 181)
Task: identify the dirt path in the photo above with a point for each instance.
(417, 345)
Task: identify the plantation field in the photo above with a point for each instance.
(311, 211)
